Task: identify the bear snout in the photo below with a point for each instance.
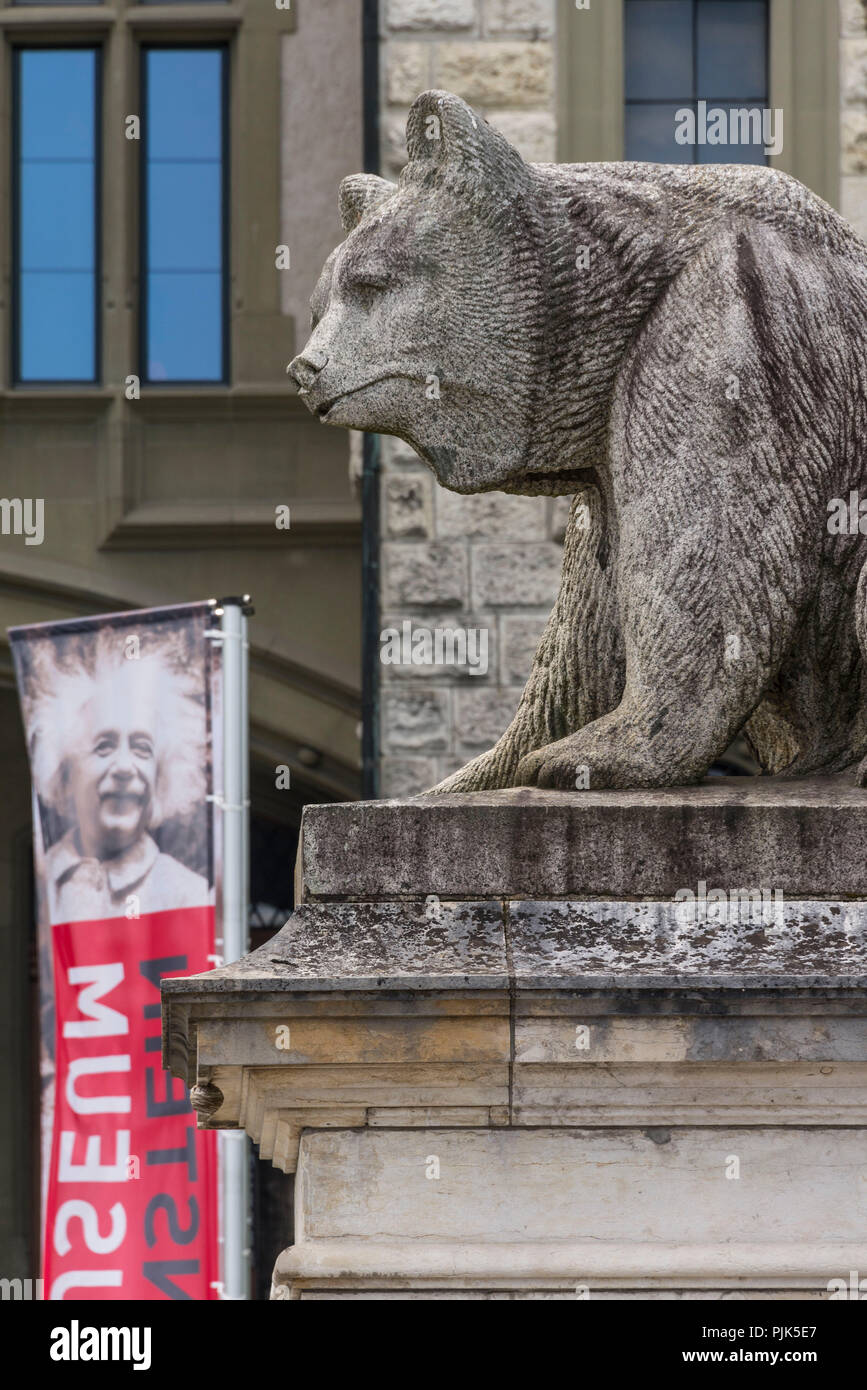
(304, 372)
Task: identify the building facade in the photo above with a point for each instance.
(157, 253)
(167, 196)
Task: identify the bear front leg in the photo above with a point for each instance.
(629, 747)
(665, 732)
(578, 669)
(700, 653)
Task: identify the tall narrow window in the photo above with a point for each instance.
(705, 57)
(184, 200)
(55, 224)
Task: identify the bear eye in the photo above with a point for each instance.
(372, 282)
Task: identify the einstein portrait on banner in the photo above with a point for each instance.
(118, 731)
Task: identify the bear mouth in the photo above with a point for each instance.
(552, 482)
(324, 408)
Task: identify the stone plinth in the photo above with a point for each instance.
(556, 1087)
(796, 836)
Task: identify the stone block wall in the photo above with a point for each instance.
(853, 113)
(491, 561)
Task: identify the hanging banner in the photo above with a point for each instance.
(118, 713)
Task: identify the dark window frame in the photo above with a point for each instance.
(693, 101)
(51, 45)
(223, 47)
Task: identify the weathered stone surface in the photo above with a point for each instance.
(533, 133)
(431, 14)
(445, 768)
(398, 454)
(463, 1292)
(853, 198)
(609, 1186)
(853, 131)
(648, 1040)
(853, 17)
(570, 947)
(854, 74)
(433, 574)
(491, 513)
(480, 1021)
(407, 70)
(557, 305)
(506, 575)
(416, 721)
(579, 1211)
(528, 18)
(648, 944)
(481, 715)
(804, 838)
(853, 105)
(408, 506)
(558, 519)
(497, 74)
(280, 1051)
(554, 946)
(407, 776)
(365, 946)
(520, 637)
(393, 158)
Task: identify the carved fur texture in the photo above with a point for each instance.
(682, 347)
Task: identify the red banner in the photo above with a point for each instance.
(132, 1186)
(119, 712)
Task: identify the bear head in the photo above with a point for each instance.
(427, 321)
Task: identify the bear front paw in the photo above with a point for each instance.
(556, 766)
(595, 759)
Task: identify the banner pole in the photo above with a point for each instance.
(235, 897)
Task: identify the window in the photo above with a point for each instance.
(184, 236)
(704, 56)
(55, 335)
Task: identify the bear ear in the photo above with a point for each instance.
(360, 194)
(444, 133)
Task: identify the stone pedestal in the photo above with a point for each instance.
(505, 1064)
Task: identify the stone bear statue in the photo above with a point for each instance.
(684, 349)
